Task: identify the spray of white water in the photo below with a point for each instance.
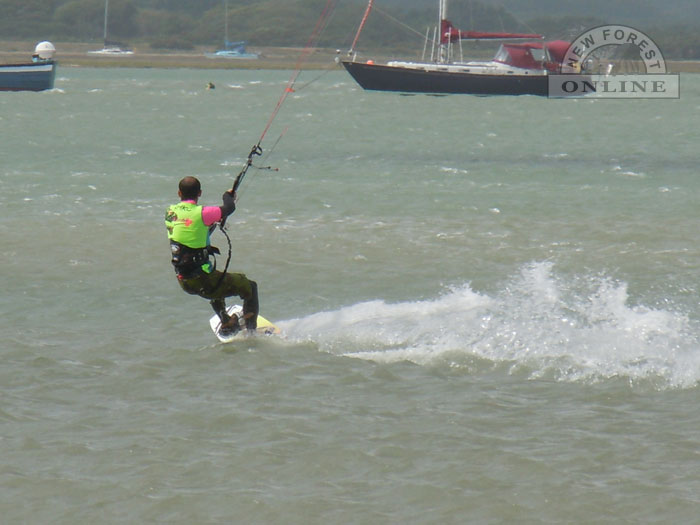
(570, 330)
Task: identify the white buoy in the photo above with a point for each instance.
(45, 50)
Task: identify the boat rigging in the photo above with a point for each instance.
(517, 69)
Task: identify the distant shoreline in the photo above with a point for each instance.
(76, 55)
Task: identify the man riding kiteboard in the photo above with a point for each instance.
(189, 226)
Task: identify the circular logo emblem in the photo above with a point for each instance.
(593, 48)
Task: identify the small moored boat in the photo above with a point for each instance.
(231, 49)
(112, 49)
(37, 75)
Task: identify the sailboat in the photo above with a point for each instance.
(231, 49)
(111, 48)
(516, 69)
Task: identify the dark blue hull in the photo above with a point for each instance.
(34, 76)
(406, 80)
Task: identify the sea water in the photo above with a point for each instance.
(489, 305)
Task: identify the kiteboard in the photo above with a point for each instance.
(265, 327)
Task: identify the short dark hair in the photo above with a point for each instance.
(190, 188)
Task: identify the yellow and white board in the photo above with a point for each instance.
(265, 327)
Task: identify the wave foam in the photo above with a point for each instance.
(581, 329)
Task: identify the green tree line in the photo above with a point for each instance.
(395, 26)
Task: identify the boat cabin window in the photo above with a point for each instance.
(502, 55)
(537, 54)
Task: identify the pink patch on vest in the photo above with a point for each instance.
(188, 222)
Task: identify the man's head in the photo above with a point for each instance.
(190, 189)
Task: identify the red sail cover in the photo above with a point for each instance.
(449, 33)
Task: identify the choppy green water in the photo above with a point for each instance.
(490, 306)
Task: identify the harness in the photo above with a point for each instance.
(188, 261)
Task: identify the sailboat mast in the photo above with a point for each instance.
(225, 24)
(104, 37)
(442, 15)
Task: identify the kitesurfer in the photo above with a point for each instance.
(188, 226)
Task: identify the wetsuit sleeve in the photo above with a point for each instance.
(229, 205)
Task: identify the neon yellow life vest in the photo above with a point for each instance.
(186, 228)
(185, 225)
